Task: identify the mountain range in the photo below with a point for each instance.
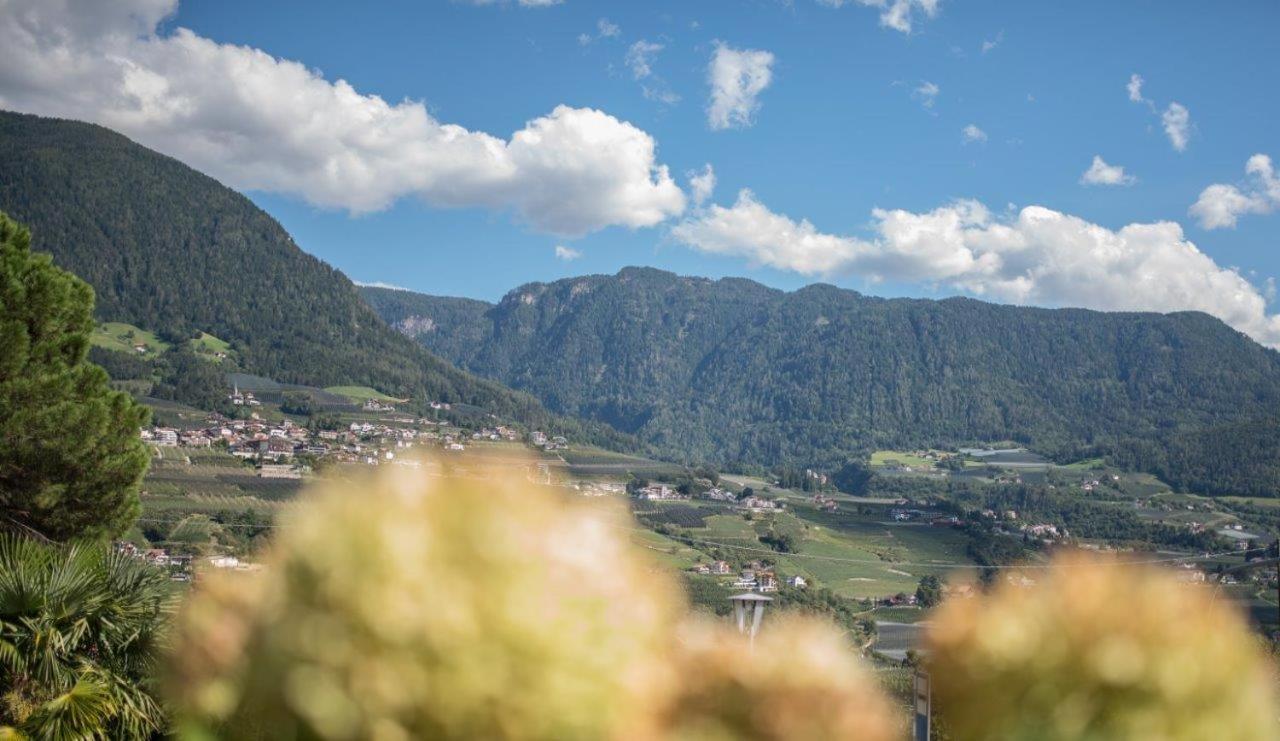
(173, 251)
(736, 373)
(726, 371)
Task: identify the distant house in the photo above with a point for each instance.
(759, 504)
(279, 448)
(1045, 530)
(797, 582)
(720, 495)
(721, 568)
(655, 492)
(164, 437)
(196, 441)
(767, 582)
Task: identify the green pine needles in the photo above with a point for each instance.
(71, 459)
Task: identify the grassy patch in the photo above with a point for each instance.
(1088, 464)
(127, 338)
(667, 551)
(361, 394)
(211, 348)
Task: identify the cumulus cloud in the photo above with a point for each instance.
(567, 253)
(1100, 173)
(1221, 205)
(1037, 256)
(701, 184)
(1177, 125)
(737, 77)
(262, 123)
(926, 93)
(972, 133)
(749, 229)
(896, 14)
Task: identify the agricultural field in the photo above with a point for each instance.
(125, 338)
(166, 413)
(855, 556)
(361, 394)
(666, 551)
(596, 463)
(887, 458)
(211, 348)
(186, 480)
(893, 640)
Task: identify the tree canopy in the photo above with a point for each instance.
(71, 458)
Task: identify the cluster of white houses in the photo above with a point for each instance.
(750, 503)
(754, 578)
(277, 445)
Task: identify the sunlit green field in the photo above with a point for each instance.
(361, 394)
(123, 337)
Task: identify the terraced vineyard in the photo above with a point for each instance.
(182, 479)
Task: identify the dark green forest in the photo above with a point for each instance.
(735, 373)
(171, 250)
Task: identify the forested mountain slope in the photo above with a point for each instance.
(169, 249)
(731, 370)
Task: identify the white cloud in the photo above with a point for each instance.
(1100, 173)
(1221, 205)
(567, 254)
(1036, 256)
(640, 58)
(1135, 88)
(262, 123)
(737, 77)
(380, 284)
(605, 29)
(896, 14)
(926, 93)
(1177, 125)
(749, 229)
(1176, 119)
(701, 184)
(972, 133)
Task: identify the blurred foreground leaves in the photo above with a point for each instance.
(1095, 650)
(408, 606)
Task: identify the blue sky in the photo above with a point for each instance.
(843, 127)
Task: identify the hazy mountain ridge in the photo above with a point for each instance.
(731, 370)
